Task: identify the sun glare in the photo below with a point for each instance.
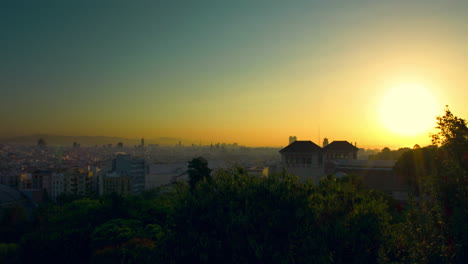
(408, 109)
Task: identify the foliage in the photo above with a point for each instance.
(9, 253)
(416, 166)
(453, 132)
(135, 250)
(438, 175)
(450, 186)
(198, 171)
(388, 154)
(354, 221)
(422, 236)
(238, 218)
(65, 229)
(65, 198)
(115, 231)
(13, 223)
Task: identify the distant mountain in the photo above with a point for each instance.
(85, 140)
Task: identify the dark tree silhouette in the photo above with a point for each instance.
(452, 136)
(198, 170)
(439, 173)
(451, 128)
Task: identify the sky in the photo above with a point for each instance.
(253, 72)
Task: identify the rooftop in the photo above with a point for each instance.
(301, 146)
(9, 194)
(340, 145)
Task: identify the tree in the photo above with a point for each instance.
(452, 136)
(388, 154)
(452, 129)
(198, 170)
(449, 185)
(115, 231)
(9, 253)
(440, 174)
(239, 218)
(416, 166)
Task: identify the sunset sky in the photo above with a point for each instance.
(251, 72)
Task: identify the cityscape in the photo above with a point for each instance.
(41, 169)
(233, 131)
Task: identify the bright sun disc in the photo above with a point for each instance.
(408, 109)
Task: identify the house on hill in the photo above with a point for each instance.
(306, 159)
(340, 150)
(303, 159)
(311, 162)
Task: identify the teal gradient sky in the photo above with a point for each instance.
(252, 72)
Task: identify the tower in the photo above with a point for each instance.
(325, 142)
(292, 139)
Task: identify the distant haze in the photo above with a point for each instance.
(88, 140)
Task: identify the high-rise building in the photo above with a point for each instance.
(123, 164)
(138, 175)
(34, 180)
(115, 183)
(54, 184)
(12, 180)
(78, 181)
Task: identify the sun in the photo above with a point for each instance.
(408, 109)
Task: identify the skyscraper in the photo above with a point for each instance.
(123, 164)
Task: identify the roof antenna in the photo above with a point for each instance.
(318, 142)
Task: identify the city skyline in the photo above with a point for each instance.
(243, 71)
